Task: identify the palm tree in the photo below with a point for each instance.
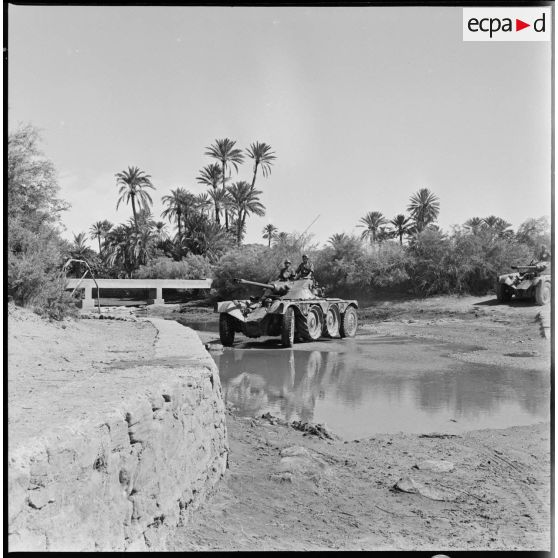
(497, 225)
(118, 248)
(384, 234)
(211, 176)
(244, 200)
(160, 232)
(99, 230)
(424, 207)
(224, 151)
(373, 220)
(145, 219)
(344, 246)
(269, 232)
(132, 188)
(263, 158)
(206, 238)
(402, 226)
(282, 238)
(474, 224)
(141, 243)
(79, 246)
(203, 202)
(221, 200)
(177, 203)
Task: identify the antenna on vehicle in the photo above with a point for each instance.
(302, 234)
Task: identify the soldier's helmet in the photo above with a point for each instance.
(287, 262)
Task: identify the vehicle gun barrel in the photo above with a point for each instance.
(255, 283)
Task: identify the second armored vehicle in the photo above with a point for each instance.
(293, 310)
(530, 282)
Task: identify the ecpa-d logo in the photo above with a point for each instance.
(507, 24)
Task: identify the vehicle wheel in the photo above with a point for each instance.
(542, 293)
(310, 326)
(226, 329)
(349, 322)
(331, 322)
(288, 328)
(502, 293)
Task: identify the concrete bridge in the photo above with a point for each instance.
(154, 286)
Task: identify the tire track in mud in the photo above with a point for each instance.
(518, 479)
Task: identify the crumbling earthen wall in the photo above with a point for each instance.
(128, 469)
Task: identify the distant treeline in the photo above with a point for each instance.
(408, 253)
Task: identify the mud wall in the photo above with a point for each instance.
(122, 475)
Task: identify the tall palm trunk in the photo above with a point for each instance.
(99, 239)
(217, 213)
(224, 190)
(134, 211)
(179, 217)
(254, 177)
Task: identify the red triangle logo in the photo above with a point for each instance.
(519, 25)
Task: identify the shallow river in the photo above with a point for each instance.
(367, 385)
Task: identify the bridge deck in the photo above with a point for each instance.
(155, 286)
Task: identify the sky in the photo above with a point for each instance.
(363, 106)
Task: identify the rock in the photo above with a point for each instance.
(440, 466)
(38, 498)
(319, 430)
(297, 461)
(294, 451)
(410, 485)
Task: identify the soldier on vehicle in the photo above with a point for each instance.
(287, 272)
(306, 269)
(544, 259)
(544, 254)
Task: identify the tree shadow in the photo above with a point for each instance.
(512, 303)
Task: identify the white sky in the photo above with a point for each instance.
(362, 105)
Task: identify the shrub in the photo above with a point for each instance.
(34, 244)
(34, 277)
(462, 263)
(190, 267)
(254, 262)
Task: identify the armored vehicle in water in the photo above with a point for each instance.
(531, 282)
(294, 310)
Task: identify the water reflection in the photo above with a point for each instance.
(382, 386)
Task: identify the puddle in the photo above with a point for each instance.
(368, 385)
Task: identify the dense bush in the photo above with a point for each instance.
(461, 263)
(36, 252)
(34, 271)
(254, 262)
(190, 267)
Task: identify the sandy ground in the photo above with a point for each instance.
(487, 489)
